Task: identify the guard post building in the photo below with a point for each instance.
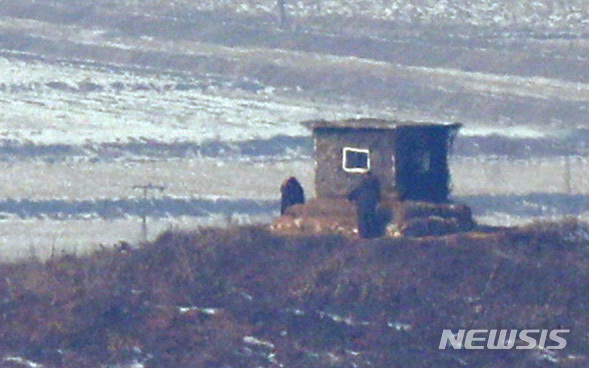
(410, 160)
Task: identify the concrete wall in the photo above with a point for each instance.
(401, 176)
(330, 178)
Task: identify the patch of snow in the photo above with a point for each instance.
(400, 326)
(340, 319)
(251, 340)
(209, 311)
(22, 361)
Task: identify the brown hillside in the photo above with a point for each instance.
(246, 298)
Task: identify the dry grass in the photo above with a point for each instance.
(310, 300)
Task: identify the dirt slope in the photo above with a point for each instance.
(245, 298)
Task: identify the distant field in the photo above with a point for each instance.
(76, 206)
(542, 14)
(41, 238)
(503, 80)
(207, 178)
(210, 178)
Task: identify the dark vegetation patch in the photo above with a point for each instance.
(279, 146)
(116, 208)
(519, 205)
(513, 147)
(527, 205)
(243, 297)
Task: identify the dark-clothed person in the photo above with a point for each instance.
(367, 198)
(291, 193)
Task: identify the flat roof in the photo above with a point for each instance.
(370, 123)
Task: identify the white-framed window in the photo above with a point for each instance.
(355, 160)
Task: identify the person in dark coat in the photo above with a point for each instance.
(291, 193)
(367, 198)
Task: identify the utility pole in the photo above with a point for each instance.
(571, 206)
(146, 189)
(282, 14)
(567, 172)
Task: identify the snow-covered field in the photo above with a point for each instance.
(497, 13)
(62, 104)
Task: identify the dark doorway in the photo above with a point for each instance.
(421, 164)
